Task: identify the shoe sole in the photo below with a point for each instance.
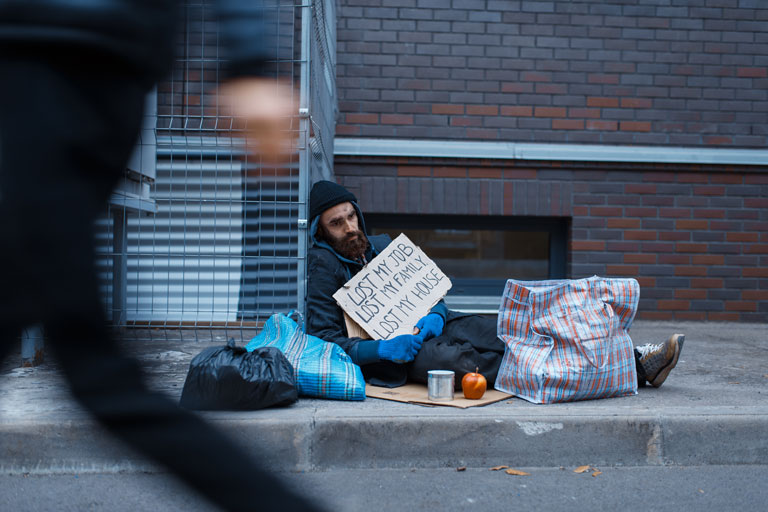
(664, 372)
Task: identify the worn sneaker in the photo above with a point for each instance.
(658, 360)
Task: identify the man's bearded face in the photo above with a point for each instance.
(339, 227)
(352, 247)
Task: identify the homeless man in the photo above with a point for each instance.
(443, 339)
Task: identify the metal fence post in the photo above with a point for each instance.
(304, 156)
(119, 266)
(32, 343)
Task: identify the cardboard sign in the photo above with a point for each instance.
(412, 393)
(393, 291)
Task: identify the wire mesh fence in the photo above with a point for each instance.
(202, 237)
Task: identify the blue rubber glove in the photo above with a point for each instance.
(431, 326)
(400, 349)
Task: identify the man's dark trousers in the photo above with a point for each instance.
(65, 135)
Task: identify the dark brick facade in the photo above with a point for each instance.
(690, 73)
(695, 237)
(662, 72)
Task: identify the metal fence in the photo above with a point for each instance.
(201, 237)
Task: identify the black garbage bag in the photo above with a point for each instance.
(231, 378)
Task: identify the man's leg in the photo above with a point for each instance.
(654, 362)
(64, 143)
(111, 387)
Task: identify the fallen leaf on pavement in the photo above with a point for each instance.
(581, 469)
(497, 468)
(516, 472)
(598, 472)
(462, 468)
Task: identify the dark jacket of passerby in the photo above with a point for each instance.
(134, 33)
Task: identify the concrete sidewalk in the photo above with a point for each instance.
(713, 409)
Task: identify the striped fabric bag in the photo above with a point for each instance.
(568, 339)
(322, 369)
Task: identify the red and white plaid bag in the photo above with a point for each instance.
(568, 339)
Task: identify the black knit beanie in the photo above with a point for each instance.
(326, 194)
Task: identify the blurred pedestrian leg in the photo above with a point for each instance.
(68, 123)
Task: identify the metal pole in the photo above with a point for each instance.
(32, 343)
(304, 156)
(119, 267)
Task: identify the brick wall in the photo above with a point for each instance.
(695, 237)
(673, 72)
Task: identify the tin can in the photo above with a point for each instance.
(440, 385)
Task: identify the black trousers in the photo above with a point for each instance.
(467, 343)
(65, 136)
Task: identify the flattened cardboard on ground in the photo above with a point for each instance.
(393, 291)
(417, 394)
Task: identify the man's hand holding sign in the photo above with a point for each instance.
(390, 297)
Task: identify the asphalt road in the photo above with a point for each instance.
(658, 488)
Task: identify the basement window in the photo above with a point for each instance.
(479, 253)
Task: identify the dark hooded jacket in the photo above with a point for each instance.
(327, 272)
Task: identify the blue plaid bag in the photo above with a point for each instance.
(322, 369)
(568, 339)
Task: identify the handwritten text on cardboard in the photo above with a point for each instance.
(390, 294)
